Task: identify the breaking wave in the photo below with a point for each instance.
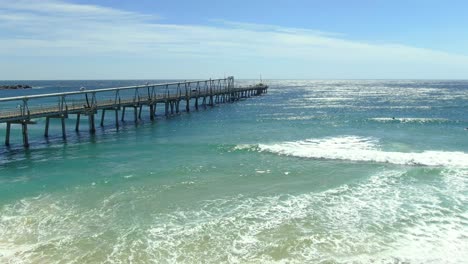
(411, 120)
(355, 148)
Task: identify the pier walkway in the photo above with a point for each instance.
(22, 110)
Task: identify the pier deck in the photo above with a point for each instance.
(23, 110)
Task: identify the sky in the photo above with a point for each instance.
(295, 39)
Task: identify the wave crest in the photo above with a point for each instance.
(413, 120)
(355, 148)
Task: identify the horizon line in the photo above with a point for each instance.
(248, 79)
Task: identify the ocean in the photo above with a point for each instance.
(314, 171)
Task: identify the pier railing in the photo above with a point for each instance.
(23, 110)
(27, 107)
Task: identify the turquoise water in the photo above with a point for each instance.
(312, 172)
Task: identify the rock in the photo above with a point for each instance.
(14, 87)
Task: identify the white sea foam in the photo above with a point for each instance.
(409, 120)
(350, 223)
(243, 147)
(328, 99)
(381, 219)
(295, 118)
(355, 148)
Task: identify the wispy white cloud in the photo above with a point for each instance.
(274, 28)
(59, 8)
(52, 28)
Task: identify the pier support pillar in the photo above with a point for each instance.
(177, 104)
(117, 119)
(102, 117)
(46, 131)
(64, 134)
(151, 112)
(172, 107)
(135, 113)
(187, 105)
(25, 134)
(123, 113)
(139, 113)
(196, 103)
(7, 136)
(92, 128)
(77, 126)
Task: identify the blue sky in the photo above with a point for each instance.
(107, 39)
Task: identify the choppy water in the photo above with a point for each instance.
(313, 172)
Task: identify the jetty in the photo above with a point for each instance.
(23, 110)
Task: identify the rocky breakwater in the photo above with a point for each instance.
(14, 87)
